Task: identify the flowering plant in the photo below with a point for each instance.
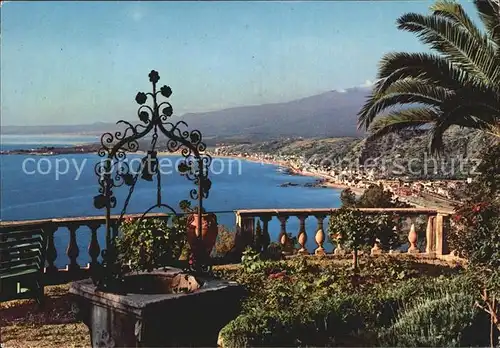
(150, 243)
(476, 223)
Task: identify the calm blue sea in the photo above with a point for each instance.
(36, 187)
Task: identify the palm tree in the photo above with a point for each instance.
(459, 84)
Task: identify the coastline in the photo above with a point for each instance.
(326, 180)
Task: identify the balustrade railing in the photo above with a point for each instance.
(310, 232)
(433, 243)
(75, 227)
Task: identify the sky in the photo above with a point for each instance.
(83, 62)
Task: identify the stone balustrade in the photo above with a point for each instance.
(437, 223)
(435, 242)
(72, 226)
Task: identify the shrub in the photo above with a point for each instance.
(348, 227)
(373, 197)
(433, 322)
(476, 235)
(353, 229)
(315, 303)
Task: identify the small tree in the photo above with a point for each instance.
(373, 197)
(258, 238)
(350, 228)
(376, 197)
(476, 235)
(382, 227)
(348, 198)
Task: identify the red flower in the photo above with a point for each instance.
(277, 275)
(457, 217)
(476, 208)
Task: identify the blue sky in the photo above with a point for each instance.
(83, 62)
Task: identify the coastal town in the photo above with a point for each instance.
(416, 191)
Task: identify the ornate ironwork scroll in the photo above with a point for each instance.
(113, 171)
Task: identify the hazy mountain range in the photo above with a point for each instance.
(330, 114)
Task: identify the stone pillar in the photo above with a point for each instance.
(441, 229)
(429, 236)
(245, 226)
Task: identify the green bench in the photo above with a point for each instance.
(22, 262)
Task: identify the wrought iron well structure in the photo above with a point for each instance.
(113, 171)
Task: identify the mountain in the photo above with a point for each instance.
(329, 114)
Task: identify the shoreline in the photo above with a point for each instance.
(326, 180)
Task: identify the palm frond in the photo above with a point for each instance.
(454, 12)
(404, 91)
(473, 108)
(489, 12)
(433, 68)
(470, 107)
(455, 43)
(402, 120)
(460, 85)
(435, 93)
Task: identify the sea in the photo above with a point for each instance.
(40, 187)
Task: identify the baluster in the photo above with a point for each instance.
(266, 238)
(94, 248)
(257, 243)
(72, 251)
(302, 235)
(429, 236)
(441, 229)
(283, 236)
(51, 252)
(412, 237)
(244, 232)
(376, 250)
(320, 236)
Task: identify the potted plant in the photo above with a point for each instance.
(209, 230)
(144, 245)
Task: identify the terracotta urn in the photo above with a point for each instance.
(209, 231)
